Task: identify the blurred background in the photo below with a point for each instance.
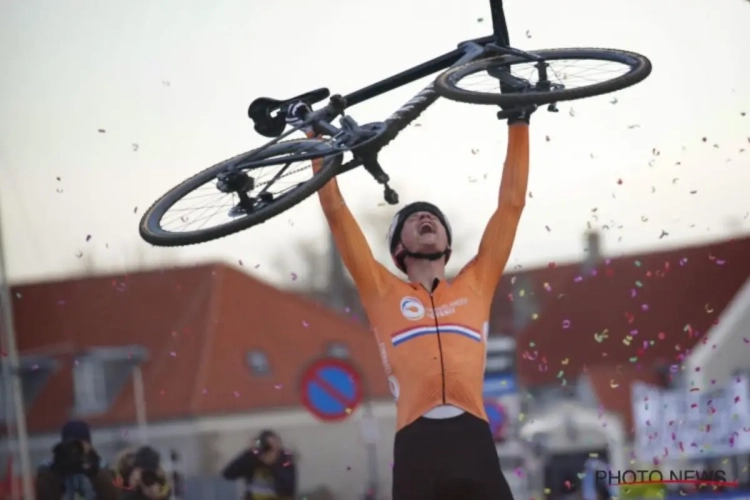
(620, 331)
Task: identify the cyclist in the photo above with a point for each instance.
(432, 333)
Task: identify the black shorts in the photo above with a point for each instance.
(447, 459)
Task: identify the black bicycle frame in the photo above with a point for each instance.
(464, 53)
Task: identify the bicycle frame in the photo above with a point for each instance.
(466, 52)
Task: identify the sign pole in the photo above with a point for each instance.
(12, 367)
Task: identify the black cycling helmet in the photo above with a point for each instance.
(394, 234)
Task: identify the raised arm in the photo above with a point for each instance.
(498, 237)
(350, 241)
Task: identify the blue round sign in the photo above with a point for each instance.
(496, 416)
(331, 389)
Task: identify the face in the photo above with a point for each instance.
(423, 232)
(274, 442)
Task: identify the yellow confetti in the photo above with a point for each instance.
(348, 411)
(613, 384)
(522, 293)
(709, 309)
(565, 361)
(535, 316)
(547, 491)
(521, 417)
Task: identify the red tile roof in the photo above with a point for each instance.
(664, 301)
(612, 386)
(198, 325)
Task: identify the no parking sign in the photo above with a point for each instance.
(331, 389)
(497, 417)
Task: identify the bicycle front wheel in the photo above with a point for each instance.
(239, 193)
(572, 73)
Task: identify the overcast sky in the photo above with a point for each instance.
(175, 78)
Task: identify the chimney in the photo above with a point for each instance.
(593, 250)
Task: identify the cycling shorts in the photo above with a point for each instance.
(448, 459)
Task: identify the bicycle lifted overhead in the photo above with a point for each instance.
(516, 79)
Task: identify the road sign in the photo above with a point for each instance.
(331, 389)
(497, 416)
(497, 385)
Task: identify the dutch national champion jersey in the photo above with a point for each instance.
(433, 343)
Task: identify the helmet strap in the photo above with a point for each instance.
(433, 256)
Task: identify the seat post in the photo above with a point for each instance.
(499, 25)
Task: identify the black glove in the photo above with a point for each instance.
(515, 114)
(518, 114)
(296, 114)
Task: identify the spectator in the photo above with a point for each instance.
(123, 467)
(75, 470)
(267, 469)
(146, 480)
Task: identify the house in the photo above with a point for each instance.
(220, 355)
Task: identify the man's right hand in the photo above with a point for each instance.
(296, 114)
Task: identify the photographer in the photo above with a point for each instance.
(141, 477)
(75, 471)
(268, 470)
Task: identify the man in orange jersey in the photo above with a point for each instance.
(432, 333)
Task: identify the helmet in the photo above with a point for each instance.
(394, 233)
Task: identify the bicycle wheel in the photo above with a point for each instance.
(245, 200)
(627, 68)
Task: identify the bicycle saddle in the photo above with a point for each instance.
(268, 125)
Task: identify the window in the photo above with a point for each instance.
(258, 363)
(89, 386)
(338, 350)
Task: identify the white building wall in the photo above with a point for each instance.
(726, 350)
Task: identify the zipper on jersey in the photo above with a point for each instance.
(437, 330)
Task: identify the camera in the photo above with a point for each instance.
(264, 441)
(71, 454)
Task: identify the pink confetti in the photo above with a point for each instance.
(644, 307)
(566, 324)
(173, 354)
(305, 324)
(578, 279)
(236, 394)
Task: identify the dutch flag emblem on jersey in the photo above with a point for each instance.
(402, 336)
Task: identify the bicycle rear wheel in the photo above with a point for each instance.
(625, 69)
(245, 200)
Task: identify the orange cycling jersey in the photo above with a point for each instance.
(434, 342)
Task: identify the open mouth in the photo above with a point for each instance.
(426, 228)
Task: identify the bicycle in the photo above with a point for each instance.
(492, 55)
